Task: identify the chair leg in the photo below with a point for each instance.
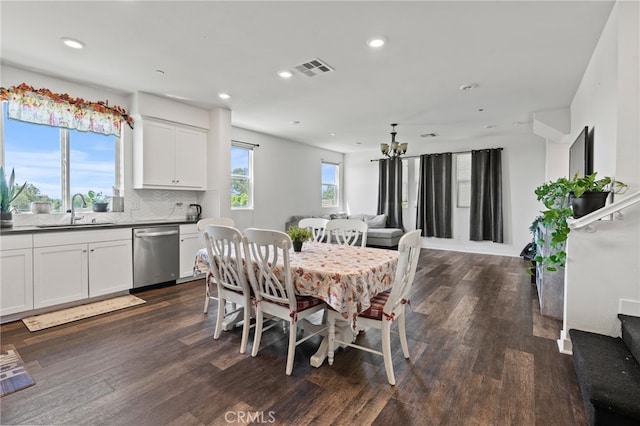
(332, 337)
(258, 333)
(293, 328)
(206, 303)
(220, 318)
(245, 327)
(386, 351)
(403, 335)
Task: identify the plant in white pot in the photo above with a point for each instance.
(8, 192)
(99, 202)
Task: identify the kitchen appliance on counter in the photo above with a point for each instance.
(193, 212)
(156, 255)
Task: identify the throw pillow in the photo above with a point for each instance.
(379, 221)
(356, 217)
(338, 215)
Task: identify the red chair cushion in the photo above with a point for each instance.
(377, 305)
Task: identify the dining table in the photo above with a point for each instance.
(345, 277)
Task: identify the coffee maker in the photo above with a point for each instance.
(193, 212)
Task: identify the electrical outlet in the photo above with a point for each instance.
(179, 204)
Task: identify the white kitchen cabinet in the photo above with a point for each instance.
(189, 245)
(61, 274)
(110, 267)
(169, 156)
(70, 266)
(16, 274)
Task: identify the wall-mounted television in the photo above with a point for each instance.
(581, 154)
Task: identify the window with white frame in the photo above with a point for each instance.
(463, 179)
(241, 176)
(57, 163)
(405, 183)
(330, 184)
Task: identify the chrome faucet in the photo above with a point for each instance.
(73, 209)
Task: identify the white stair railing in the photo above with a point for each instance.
(613, 208)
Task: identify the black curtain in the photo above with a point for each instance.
(434, 195)
(390, 191)
(486, 195)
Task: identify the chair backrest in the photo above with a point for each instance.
(224, 248)
(268, 252)
(347, 231)
(317, 226)
(224, 221)
(202, 223)
(409, 252)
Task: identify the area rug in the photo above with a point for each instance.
(51, 319)
(13, 375)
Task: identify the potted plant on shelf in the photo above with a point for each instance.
(566, 198)
(99, 201)
(298, 236)
(8, 192)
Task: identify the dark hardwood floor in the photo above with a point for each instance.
(481, 354)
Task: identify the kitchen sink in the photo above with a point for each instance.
(77, 225)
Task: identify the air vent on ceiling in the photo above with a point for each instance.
(428, 135)
(313, 67)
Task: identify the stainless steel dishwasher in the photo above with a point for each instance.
(156, 255)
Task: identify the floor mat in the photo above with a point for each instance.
(51, 319)
(13, 376)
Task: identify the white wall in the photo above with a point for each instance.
(287, 180)
(603, 267)
(523, 162)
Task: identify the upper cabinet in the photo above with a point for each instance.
(169, 156)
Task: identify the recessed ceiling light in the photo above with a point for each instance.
(73, 43)
(295, 122)
(376, 42)
(357, 143)
(285, 74)
(160, 71)
(489, 126)
(469, 86)
(429, 135)
(332, 134)
(224, 95)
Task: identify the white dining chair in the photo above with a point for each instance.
(347, 231)
(224, 248)
(209, 283)
(272, 282)
(387, 307)
(317, 226)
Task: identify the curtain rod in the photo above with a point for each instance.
(439, 153)
(244, 143)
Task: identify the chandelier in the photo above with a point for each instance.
(396, 149)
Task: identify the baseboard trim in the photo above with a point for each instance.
(564, 343)
(629, 307)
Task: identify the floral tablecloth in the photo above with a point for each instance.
(345, 277)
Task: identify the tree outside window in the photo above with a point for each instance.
(241, 177)
(330, 180)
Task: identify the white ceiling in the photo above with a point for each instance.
(524, 57)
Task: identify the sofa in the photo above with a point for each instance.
(378, 234)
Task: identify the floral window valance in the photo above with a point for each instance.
(42, 106)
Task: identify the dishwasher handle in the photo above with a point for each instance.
(142, 234)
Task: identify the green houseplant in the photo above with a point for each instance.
(8, 192)
(566, 198)
(99, 202)
(299, 236)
